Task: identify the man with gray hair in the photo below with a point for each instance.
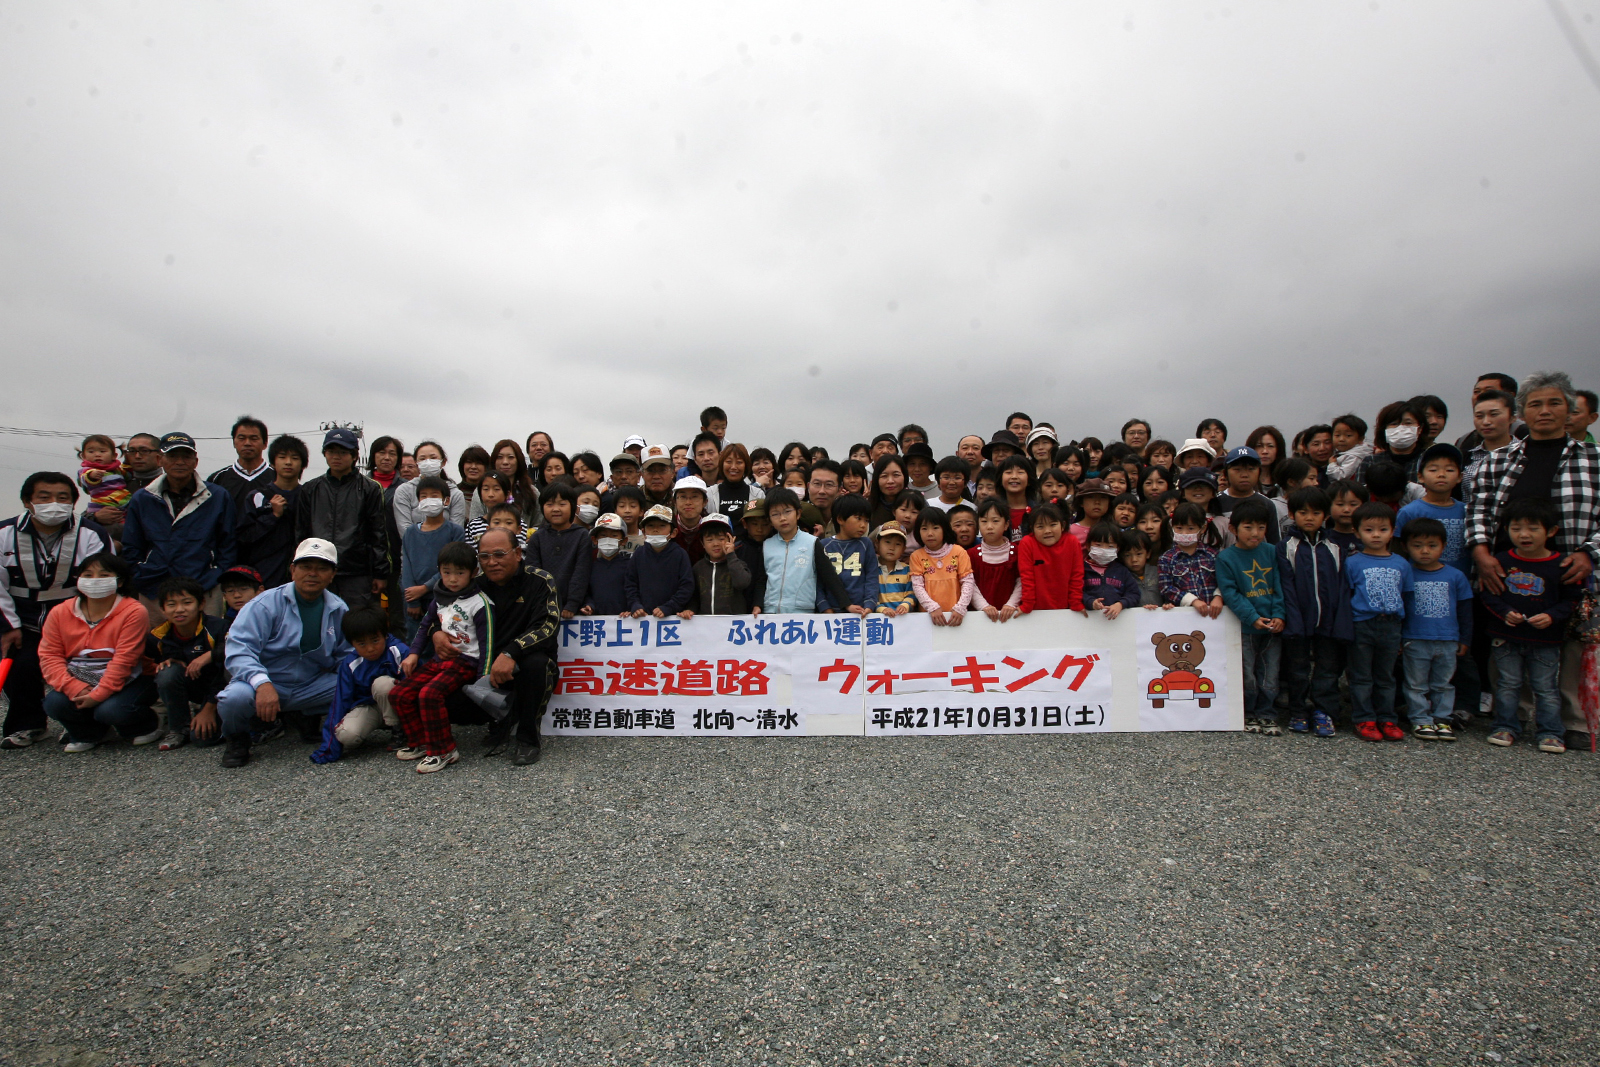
(1548, 465)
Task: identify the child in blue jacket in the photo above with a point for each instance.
(1108, 586)
(1317, 628)
(361, 691)
(854, 559)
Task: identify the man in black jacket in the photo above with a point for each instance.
(526, 613)
(250, 471)
(346, 507)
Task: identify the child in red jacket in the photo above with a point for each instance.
(1050, 564)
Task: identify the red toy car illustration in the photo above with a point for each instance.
(1181, 685)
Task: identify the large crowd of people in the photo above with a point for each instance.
(1386, 578)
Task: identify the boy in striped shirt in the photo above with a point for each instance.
(895, 595)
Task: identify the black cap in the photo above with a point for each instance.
(1002, 437)
(177, 439)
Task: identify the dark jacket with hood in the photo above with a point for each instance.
(566, 555)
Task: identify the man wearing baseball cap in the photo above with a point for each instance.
(346, 508)
(283, 650)
(179, 527)
(658, 476)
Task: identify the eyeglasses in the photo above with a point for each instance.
(139, 451)
(490, 557)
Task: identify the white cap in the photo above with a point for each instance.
(716, 518)
(610, 522)
(1198, 444)
(692, 481)
(1041, 431)
(655, 455)
(317, 548)
(633, 442)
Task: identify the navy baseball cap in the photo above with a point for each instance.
(1196, 474)
(1241, 454)
(341, 438)
(172, 442)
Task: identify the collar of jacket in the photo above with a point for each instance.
(158, 488)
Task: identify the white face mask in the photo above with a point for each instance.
(430, 468)
(587, 513)
(1185, 538)
(656, 540)
(1401, 437)
(1103, 554)
(97, 588)
(608, 546)
(430, 507)
(52, 514)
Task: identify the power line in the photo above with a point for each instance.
(21, 431)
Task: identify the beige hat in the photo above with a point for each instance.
(1198, 444)
(317, 548)
(658, 511)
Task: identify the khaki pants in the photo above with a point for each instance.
(361, 720)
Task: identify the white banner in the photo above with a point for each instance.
(792, 675)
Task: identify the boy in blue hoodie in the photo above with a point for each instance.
(660, 579)
(365, 678)
(852, 556)
(1317, 629)
(1247, 580)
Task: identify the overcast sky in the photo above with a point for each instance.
(474, 220)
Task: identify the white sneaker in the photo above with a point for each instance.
(24, 738)
(80, 746)
(152, 737)
(1486, 704)
(406, 752)
(429, 764)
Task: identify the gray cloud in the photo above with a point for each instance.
(483, 219)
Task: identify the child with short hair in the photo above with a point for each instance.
(1439, 472)
(239, 586)
(996, 588)
(1136, 552)
(853, 556)
(188, 667)
(660, 577)
(588, 506)
(964, 525)
(629, 505)
(460, 611)
(754, 529)
(1050, 564)
(363, 684)
(1526, 624)
(1124, 509)
(721, 578)
(1344, 497)
(1187, 572)
(1317, 627)
(985, 484)
(1055, 487)
(941, 572)
(895, 594)
(952, 474)
(561, 547)
(1350, 446)
(101, 473)
(1247, 581)
(420, 545)
(1437, 630)
(267, 516)
(1093, 502)
(1378, 581)
(608, 570)
(799, 576)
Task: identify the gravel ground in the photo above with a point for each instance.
(1116, 899)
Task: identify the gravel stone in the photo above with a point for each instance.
(1117, 899)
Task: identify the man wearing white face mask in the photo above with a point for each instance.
(41, 553)
(345, 507)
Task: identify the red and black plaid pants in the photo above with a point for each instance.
(419, 702)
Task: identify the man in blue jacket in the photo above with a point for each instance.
(179, 527)
(283, 651)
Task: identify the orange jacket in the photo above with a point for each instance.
(117, 638)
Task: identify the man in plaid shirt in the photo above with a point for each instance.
(1547, 464)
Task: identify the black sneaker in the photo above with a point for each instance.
(270, 732)
(524, 753)
(237, 752)
(499, 736)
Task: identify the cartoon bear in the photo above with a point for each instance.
(1180, 652)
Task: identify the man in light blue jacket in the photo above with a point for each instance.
(283, 651)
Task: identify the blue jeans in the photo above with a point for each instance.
(1372, 659)
(1540, 666)
(237, 704)
(1260, 650)
(1312, 666)
(127, 710)
(1429, 666)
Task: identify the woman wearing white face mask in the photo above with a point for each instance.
(431, 459)
(41, 552)
(1399, 436)
(90, 654)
